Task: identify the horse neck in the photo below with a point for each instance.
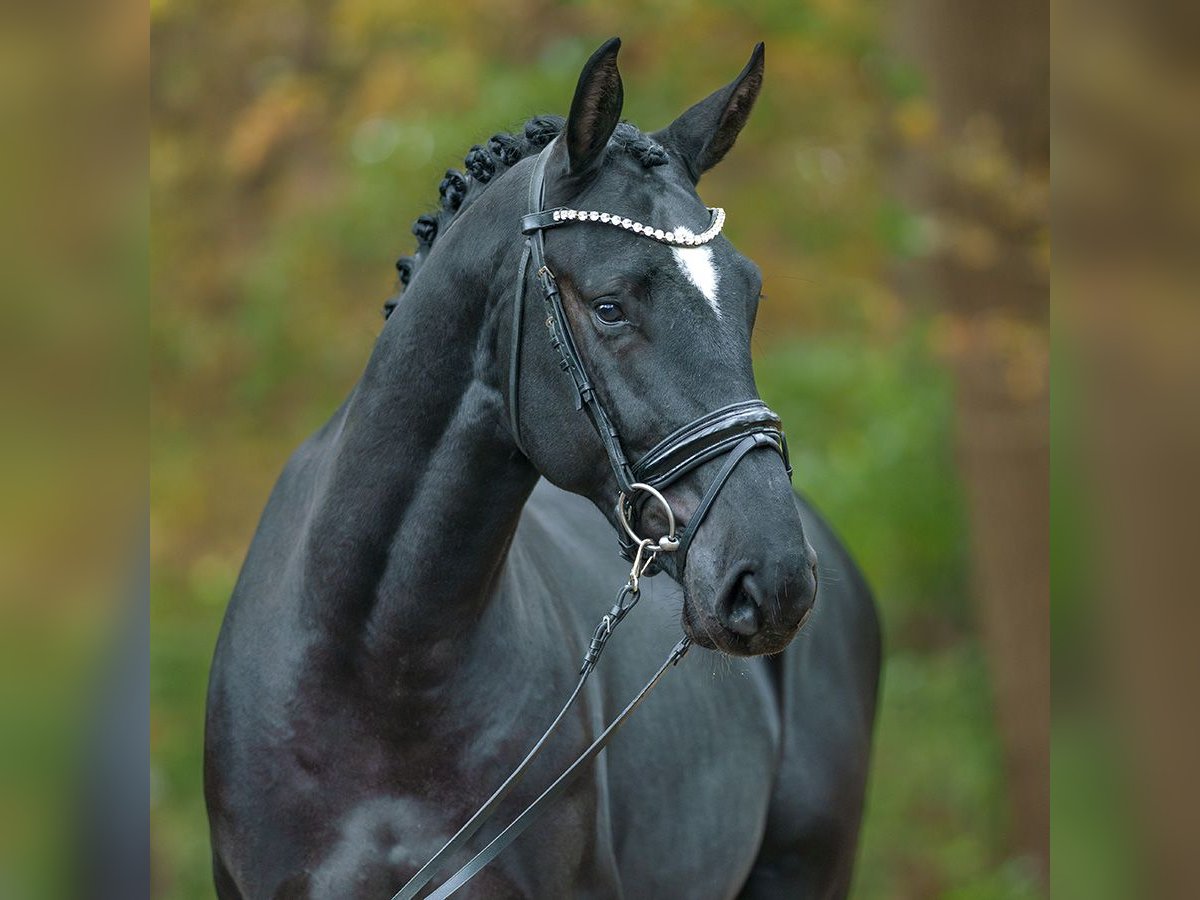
(424, 485)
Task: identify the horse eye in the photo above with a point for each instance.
(609, 313)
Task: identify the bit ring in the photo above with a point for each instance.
(667, 542)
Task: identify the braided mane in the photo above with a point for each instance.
(484, 162)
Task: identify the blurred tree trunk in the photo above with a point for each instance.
(1127, 82)
(978, 170)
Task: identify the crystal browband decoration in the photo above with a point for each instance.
(681, 237)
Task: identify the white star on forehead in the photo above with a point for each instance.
(697, 265)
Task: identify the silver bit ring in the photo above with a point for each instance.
(667, 542)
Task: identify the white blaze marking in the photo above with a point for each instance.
(697, 264)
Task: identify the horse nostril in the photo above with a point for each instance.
(741, 613)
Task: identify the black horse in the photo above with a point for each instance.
(414, 605)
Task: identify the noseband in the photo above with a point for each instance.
(731, 431)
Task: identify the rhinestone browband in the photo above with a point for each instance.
(680, 237)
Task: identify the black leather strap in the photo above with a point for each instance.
(710, 435)
(427, 872)
(626, 600)
(537, 221)
(523, 821)
(688, 532)
(514, 366)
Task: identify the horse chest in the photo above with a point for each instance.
(689, 791)
(679, 798)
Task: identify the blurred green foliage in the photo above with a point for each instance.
(294, 143)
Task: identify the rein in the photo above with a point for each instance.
(626, 600)
(732, 431)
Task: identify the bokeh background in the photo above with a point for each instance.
(893, 185)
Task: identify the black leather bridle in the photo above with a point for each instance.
(731, 431)
(734, 430)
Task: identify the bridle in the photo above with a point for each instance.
(735, 429)
(731, 431)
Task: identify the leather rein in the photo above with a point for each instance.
(731, 431)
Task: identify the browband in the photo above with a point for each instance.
(732, 430)
(680, 237)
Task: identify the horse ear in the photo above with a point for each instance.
(596, 108)
(706, 132)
